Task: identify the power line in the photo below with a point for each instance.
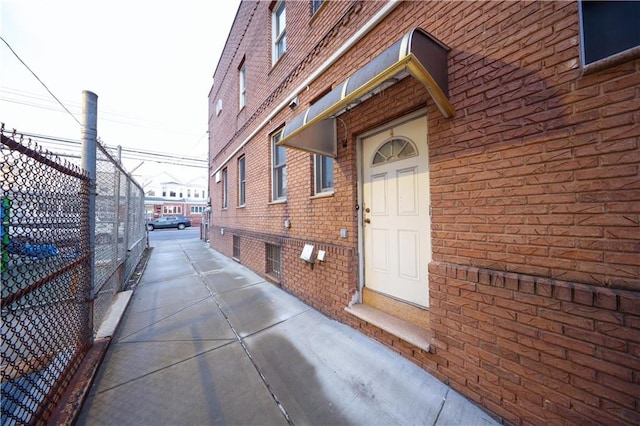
(41, 82)
(128, 153)
(34, 100)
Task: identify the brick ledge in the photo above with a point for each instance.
(406, 331)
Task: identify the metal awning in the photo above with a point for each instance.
(417, 53)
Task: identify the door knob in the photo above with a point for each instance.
(367, 220)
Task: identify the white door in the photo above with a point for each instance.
(397, 239)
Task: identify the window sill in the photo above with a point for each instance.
(277, 61)
(317, 12)
(273, 278)
(277, 202)
(243, 206)
(322, 195)
(404, 330)
(618, 58)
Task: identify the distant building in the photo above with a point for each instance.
(458, 180)
(167, 196)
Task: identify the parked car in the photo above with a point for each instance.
(179, 222)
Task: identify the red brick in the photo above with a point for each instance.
(543, 346)
(593, 313)
(595, 338)
(618, 331)
(520, 329)
(620, 371)
(585, 323)
(604, 392)
(500, 372)
(630, 303)
(540, 323)
(535, 177)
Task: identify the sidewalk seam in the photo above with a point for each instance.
(283, 410)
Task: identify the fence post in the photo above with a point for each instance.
(89, 147)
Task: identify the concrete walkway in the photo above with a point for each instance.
(206, 341)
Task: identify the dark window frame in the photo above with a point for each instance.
(608, 32)
(320, 174)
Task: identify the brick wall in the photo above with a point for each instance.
(535, 279)
(536, 175)
(325, 286)
(536, 350)
(538, 172)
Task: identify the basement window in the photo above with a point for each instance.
(236, 247)
(273, 266)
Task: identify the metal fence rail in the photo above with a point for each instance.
(45, 279)
(50, 308)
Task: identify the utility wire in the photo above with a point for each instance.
(128, 153)
(41, 82)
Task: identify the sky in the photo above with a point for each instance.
(151, 63)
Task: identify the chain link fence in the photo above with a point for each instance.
(120, 238)
(50, 307)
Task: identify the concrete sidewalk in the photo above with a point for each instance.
(206, 341)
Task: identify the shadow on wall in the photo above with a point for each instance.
(520, 169)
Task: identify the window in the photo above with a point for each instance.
(393, 150)
(323, 173)
(172, 209)
(164, 191)
(315, 5)
(279, 168)
(273, 260)
(608, 28)
(225, 195)
(188, 193)
(172, 193)
(279, 18)
(236, 247)
(241, 181)
(242, 78)
(197, 209)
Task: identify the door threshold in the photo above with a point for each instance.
(402, 329)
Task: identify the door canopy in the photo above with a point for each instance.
(417, 53)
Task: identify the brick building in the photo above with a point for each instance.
(167, 196)
(458, 180)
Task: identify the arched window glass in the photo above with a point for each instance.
(393, 150)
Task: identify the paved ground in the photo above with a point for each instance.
(206, 341)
